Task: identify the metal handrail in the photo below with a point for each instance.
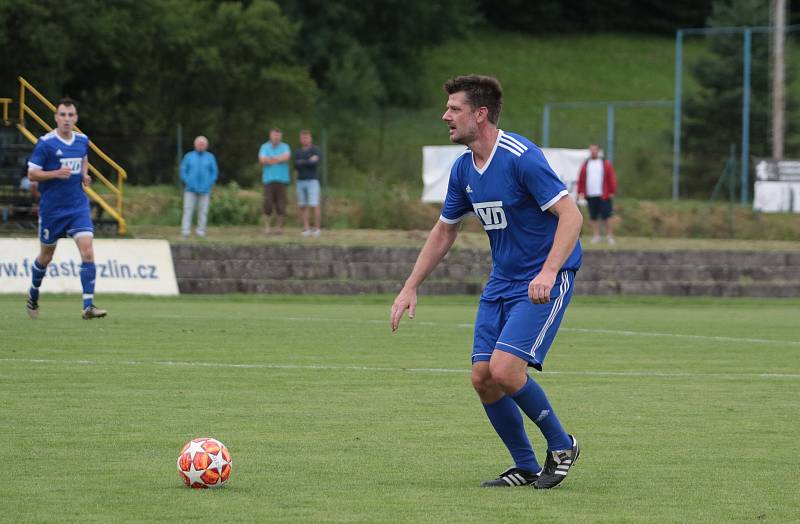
(116, 189)
(5, 102)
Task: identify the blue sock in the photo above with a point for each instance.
(37, 272)
(532, 400)
(507, 421)
(88, 274)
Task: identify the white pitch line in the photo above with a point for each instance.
(624, 333)
(573, 330)
(679, 335)
(320, 367)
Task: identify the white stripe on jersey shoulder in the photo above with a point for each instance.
(555, 199)
(509, 143)
(49, 135)
(509, 148)
(455, 220)
(80, 135)
(513, 145)
(515, 141)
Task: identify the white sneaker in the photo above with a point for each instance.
(611, 241)
(93, 312)
(315, 232)
(307, 232)
(595, 240)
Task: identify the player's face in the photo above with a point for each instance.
(461, 118)
(66, 118)
(594, 150)
(305, 139)
(275, 137)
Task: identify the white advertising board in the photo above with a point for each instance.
(437, 161)
(776, 197)
(123, 266)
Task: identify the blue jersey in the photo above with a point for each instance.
(50, 153)
(510, 195)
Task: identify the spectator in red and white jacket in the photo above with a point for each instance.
(597, 182)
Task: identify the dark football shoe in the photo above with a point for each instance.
(511, 478)
(557, 465)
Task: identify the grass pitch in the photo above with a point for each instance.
(686, 411)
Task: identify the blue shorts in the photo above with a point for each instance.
(518, 326)
(51, 228)
(308, 193)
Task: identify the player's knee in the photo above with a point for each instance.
(505, 377)
(45, 258)
(482, 380)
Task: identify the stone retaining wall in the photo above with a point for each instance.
(209, 268)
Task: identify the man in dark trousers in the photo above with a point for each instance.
(597, 182)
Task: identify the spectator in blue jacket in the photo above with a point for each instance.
(199, 173)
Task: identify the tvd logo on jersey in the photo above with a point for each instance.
(491, 214)
(74, 164)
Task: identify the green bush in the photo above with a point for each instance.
(232, 206)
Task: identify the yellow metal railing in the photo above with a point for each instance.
(5, 102)
(114, 210)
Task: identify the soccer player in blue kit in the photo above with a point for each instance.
(59, 163)
(533, 227)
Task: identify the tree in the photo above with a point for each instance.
(383, 40)
(712, 116)
(557, 16)
(138, 67)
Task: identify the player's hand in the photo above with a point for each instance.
(87, 180)
(540, 286)
(63, 172)
(406, 299)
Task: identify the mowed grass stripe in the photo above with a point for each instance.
(299, 367)
(614, 332)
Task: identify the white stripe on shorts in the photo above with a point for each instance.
(563, 288)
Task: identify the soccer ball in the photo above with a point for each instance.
(204, 463)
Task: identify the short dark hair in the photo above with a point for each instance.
(67, 101)
(481, 91)
(276, 129)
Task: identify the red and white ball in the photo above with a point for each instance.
(204, 463)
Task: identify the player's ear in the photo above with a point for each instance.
(483, 113)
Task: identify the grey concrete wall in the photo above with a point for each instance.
(209, 268)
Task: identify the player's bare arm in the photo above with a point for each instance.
(87, 180)
(567, 233)
(39, 175)
(436, 247)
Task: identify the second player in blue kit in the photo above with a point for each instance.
(533, 227)
(59, 163)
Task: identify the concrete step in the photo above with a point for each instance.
(209, 268)
(449, 287)
(259, 268)
(689, 289)
(321, 287)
